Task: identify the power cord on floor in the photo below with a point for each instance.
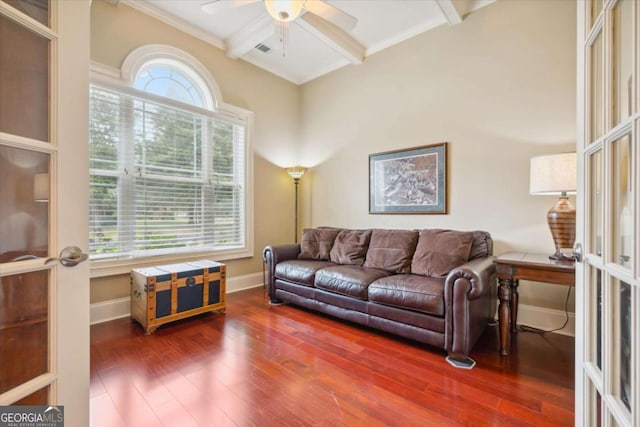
(524, 328)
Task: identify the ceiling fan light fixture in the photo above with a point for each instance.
(284, 10)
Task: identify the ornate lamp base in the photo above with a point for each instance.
(562, 223)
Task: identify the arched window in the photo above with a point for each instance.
(163, 80)
(168, 162)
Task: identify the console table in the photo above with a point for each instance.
(512, 267)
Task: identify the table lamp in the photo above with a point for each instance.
(555, 174)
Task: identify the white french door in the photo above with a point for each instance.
(608, 278)
(44, 306)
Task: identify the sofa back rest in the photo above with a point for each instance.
(482, 245)
(391, 250)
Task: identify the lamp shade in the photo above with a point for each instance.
(296, 172)
(284, 10)
(553, 174)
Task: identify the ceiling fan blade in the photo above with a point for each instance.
(218, 6)
(332, 14)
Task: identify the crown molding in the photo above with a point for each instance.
(175, 22)
(450, 11)
(273, 70)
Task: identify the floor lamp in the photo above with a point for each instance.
(296, 173)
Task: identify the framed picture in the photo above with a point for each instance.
(413, 180)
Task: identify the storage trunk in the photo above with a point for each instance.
(171, 292)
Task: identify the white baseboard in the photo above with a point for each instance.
(241, 283)
(110, 310)
(117, 308)
(546, 319)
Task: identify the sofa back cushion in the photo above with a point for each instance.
(391, 250)
(316, 243)
(440, 251)
(350, 247)
(482, 245)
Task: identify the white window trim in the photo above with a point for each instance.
(122, 80)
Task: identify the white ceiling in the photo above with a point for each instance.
(381, 23)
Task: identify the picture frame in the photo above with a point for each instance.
(409, 181)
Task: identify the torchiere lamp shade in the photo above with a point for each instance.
(296, 172)
(555, 174)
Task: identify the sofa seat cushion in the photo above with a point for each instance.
(348, 280)
(300, 271)
(410, 291)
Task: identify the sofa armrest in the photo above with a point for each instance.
(479, 273)
(470, 304)
(272, 255)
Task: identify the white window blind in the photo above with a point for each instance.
(163, 179)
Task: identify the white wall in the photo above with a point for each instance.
(499, 87)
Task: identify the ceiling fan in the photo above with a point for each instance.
(318, 17)
(289, 10)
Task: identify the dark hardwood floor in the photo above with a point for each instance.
(286, 366)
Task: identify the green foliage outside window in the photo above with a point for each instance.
(162, 178)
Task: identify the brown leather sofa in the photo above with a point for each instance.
(433, 286)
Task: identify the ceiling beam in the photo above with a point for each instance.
(333, 37)
(219, 6)
(452, 13)
(241, 42)
(328, 12)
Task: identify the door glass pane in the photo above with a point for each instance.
(595, 203)
(595, 288)
(24, 327)
(24, 211)
(40, 397)
(623, 59)
(622, 330)
(24, 82)
(598, 408)
(37, 9)
(596, 100)
(622, 214)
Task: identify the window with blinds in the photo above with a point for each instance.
(164, 178)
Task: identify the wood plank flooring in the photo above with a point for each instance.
(286, 366)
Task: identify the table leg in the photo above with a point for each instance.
(514, 306)
(504, 314)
